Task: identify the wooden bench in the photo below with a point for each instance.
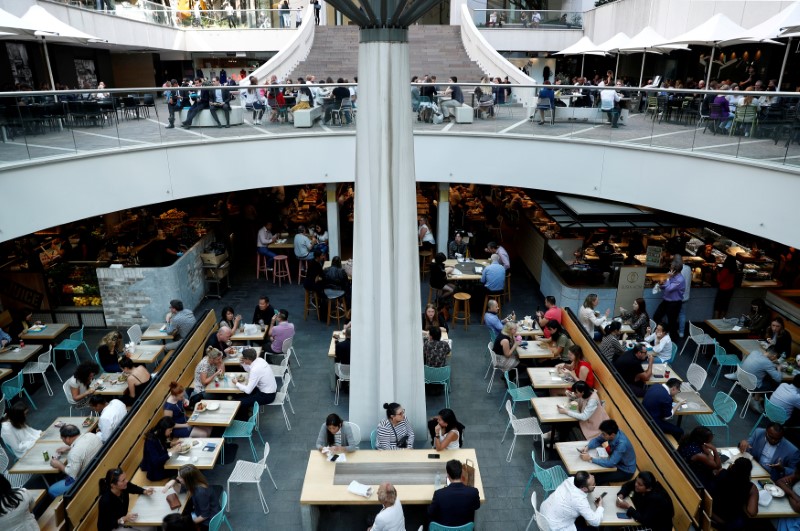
(204, 118)
(306, 117)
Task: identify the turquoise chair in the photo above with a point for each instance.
(433, 526)
(218, 519)
(550, 478)
(517, 394)
(240, 429)
(439, 376)
(773, 413)
(72, 344)
(674, 354)
(15, 386)
(96, 359)
(723, 359)
(373, 439)
(724, 410)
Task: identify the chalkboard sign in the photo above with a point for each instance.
(653, 256)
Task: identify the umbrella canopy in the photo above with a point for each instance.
(613, 45)
(649, 40)
(583, 46)
(13, 25)
(770, 28)
(47, 25)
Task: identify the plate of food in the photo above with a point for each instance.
(185, 448)
(200, 407)
(122, 378)
(774, 491)
(212, 406)
(87, 422)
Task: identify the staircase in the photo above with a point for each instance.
(435, 50)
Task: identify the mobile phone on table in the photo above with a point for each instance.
(603, 495)
(434, 456)
(334, 457)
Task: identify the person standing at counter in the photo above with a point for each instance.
(725, 284)
(500, 251)
(686, 272)
(638, 318)
(552, 312)
(674, 287)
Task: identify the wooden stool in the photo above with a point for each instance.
(261, 265)
(496, 296)
(425, 262)
(339, 307)
(311, 305)
(281, 269)
(461, 305)
(507, 292)
(302, 267)
(433, 294)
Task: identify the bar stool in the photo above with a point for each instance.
(311, 304)
(339, 306)
(433, 294)
(302, 267)
(280, 269)
(461, 305)
(261, 265)
(507, 292)
(496, 296)
(425, 261)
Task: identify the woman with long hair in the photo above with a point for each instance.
(336, 435)
(204, 497)
(438, 279)
(175, 407)
(589, 412)
(157, 444)
(446, 431)
(18, 436)
(698, 450)
(115, 491)
(505, 346)
(80, 384)
(15, 508)
(577, 368)
(230, 318)
(590, 318)
(726, 281)
(662, 344)
(138, 377)
(110, 350)
(431, 318)
(255, 99)
(638, 318)
(735, 497)
(651, 505)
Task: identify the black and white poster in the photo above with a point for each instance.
(20, 69)
(84, 71)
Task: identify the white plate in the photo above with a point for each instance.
(212, 406)
(774, 491)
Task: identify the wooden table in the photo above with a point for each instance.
(33, 461)
(659, 369)
(282, 243)
(146, 353)
(226, 386)
(411, 472)
(547, 378)
(778, 508)
(258, 336)
(610, 509)
(17, 354)
(467, 269)
(723, 328)
(546, 410)
(535, 331)
(111, 384)
(235, 360)
(221, 417)
(758, 472)
(197, 456)
(52, 432)
(536, 350)
(37, 495)
(570, 455)
(154, 332)
(152, 509)
(4, 372)
(49, 333)
(695, 405)
(746, 346)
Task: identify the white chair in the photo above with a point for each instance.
(491, 360)
(526, 426)
(282, 397)
(40, 366)
(539, 518)
(497, 362)
(83, 404)
(652, 326)
(696, 376)
(2, 405)
(356, 432)
(749, 383)
(342, 375)
(249, 472)
(700, 338)
(289, 351)
(280, 370)
(135, 334)
(17, 480)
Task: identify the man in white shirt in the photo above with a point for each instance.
(609, 102)
(80, 448)
(110, 413)
(391, 517)
(571, 500)
(260, 387)
(787, 397)
(265, 238)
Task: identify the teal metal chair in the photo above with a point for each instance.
(240, 429)
(220, 518)
(773, 413)
(72, 344)
(723, 359)
(433, 526)
(439, 376)
(16, 386)
(724, 410)
(96, 359)
(373, 439)
(550, 478)
(674, 354)
(517, 394)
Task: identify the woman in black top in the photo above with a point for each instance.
(114, 502)
(652, 506)
(439, 276)
(110, 350)
(335, 277)
(778, 337)
(735, 497)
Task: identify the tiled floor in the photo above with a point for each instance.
(505, 508)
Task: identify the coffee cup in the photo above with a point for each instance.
(667, 373)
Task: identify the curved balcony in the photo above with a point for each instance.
(58, 168)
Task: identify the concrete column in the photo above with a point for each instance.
(386, 364)
(334, 231)
(443, 220)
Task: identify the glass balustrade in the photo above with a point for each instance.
(527, 19)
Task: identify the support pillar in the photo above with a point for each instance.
(334, 230)
(443, 219)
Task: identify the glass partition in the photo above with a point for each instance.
(527, 19)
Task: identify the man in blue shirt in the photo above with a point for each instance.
(5, 339)
(492, 320)
(674, 287)
(493, 277)
(620, 454)
(658, 402)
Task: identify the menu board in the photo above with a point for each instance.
(653, 256)
(630, 286)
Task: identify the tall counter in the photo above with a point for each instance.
(141, 295)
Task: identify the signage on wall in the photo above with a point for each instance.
(14, 290)
(630, 286)
(653, 256)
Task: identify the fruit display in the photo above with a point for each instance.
(87, 301)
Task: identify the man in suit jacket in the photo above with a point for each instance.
(202, 102)
(220, 98)
(454, 505)
(777, 455)
(658, 402)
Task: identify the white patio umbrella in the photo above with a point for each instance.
(645, 42)
(613, 45)
(713, 31)
(13, 25)
(582, 47)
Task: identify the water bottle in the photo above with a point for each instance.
(437, 483)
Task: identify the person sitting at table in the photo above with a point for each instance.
(177, 522)
(769, 447)
(336, 435)
(435, 351)
(590, 412)
(438, 279)
(431, 318)
(789, 485)
(493, 321)
(260, 387)
(342, 348)
(303, 245)
(457, 246)
(180, 322)
(221, 340)
(505, 261)
(264, 311)
(280, 329)
(446, 432)
(571, 501)
(205, 498)
(484, 98)
(114, 502)
(778, 337)
(110, 413)
(174, 407)
(16, 506)
(81, 450)
(21, 321)
(210, 367)
(505, 347)
(576, 368)
(638, 318)
(787, 397)
(230, 318)
(761, 364)
(335, 277)
(80, 383)
(110, 351)
(651, 507)
(455, 504)
(456, 100)
(264, 238)
(629, 366)
(138, 377)
(395, 432)
(158, 442)
(735, 498)
(658, 402)
(17, 435)
(698, 450)
(662, 344)
(390, 517)
(757, 320)
(552, 312)
(591, 319)
(620, 454)
(610, 347)
(493, 277)
(559, 340)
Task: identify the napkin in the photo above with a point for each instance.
(360, 489)
(341, 459)
(764, 498)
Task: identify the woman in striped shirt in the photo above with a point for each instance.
(395, 432)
